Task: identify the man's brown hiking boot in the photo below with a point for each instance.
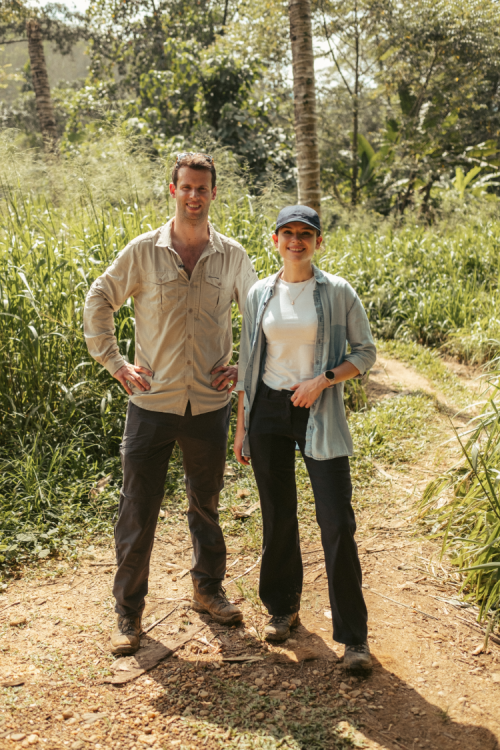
(279, 626)
(125, 638)
(216, 605)
(357, 658)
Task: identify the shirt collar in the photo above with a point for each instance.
(319, 275)
(165, 238)
(164, 235)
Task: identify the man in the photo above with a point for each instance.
(183, 278)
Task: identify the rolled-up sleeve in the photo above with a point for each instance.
(363, 353)
(106, 295)
(245, 342)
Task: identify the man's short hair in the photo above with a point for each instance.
(194, 161)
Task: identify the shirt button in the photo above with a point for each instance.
(189, 336)
(190, 309)
(189, 362)
(189, 387)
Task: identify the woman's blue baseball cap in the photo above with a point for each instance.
(299, 213)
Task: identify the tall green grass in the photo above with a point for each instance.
(61, 224)
(62, 416)
(462, 508)
(436, 286)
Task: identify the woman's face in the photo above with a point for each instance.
(297, 242)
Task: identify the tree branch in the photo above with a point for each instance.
(355, 113)
(333, 55)
(426, 191)
(12, 41)
(337, 194)
(416, 107)
(401, 205)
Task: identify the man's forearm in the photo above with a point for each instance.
(106, 295)
(99, 332)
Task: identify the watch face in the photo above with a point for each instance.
(330, 375)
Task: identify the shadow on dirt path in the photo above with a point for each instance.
(312, 703)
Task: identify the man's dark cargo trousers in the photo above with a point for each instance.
(147, 445)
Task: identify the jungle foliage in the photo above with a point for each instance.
(407, 94)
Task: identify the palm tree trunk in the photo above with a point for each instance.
(355, 114)
(44, 108)
(304, 96)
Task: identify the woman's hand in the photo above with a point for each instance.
(238, 448)
(240, 432)
(307, 392)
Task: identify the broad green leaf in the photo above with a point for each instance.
(484, 566)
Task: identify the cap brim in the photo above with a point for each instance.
(302, 221)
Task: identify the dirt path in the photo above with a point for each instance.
(226, 688)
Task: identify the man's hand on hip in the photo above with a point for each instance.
(227, 379)
(128, 375)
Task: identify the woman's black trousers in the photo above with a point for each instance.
(276, 426)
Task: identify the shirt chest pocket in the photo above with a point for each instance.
(216, 295)
(162, 289)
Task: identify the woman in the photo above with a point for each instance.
(293, 362)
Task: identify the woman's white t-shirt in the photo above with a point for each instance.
(290, 331)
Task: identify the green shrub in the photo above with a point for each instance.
(435, 286)
(462, 508)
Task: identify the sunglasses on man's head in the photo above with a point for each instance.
(209, 158)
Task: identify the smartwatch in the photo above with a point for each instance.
(330, 376)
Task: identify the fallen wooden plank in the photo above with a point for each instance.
(244, 658)
(128, 668)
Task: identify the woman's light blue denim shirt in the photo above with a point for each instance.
(341, 320)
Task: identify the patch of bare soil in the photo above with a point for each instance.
(197, 684)
(389, 377)
(474, 376)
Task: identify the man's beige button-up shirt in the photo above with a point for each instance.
(182, 325)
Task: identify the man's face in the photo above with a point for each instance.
(297, 242)
(193, 194)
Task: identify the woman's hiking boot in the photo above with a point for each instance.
(126, 637)
(216, 605)
(357, 658)
(279, 626)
